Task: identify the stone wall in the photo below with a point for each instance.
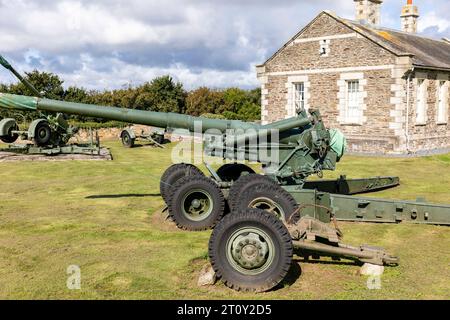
(432, 135)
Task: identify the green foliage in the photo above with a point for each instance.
(232, 103)
(204, 101)
(161, 94)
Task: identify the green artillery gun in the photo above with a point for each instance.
(260, 221)
(50, 133)
(155, 138)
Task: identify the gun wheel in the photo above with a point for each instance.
(268, 197)
(11, 137)
(127, 140)
(245, 183)
(173, 174)
(251, 250)
(196, 203)
(42, 134)
(233, 171)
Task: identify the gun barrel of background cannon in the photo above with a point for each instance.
(150, 118)
(8, 66)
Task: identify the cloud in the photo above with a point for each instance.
(107, 43)
(434, 25)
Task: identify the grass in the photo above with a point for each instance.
(102, 216)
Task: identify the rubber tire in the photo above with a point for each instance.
(42, 142)
(173, 174)
(130, 143)
(274, 228)
(179, 190)
(243, 184)
(10, 138)
(274, 192)
(233, 171)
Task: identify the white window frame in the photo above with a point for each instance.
(352, 118)
(291, 95)
(353, 110)
(298, 99)
(421, 102)
(442, 101)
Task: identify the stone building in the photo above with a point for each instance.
(387, 90)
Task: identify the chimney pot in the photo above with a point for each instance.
(409, 17)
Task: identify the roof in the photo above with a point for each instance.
(425, 52)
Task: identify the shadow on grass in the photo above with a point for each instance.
(294, 273)
(127, 195)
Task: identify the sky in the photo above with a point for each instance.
(109, 44)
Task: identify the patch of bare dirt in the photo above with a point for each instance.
(160, 220)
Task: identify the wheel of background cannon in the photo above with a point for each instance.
(251, 250)
(127, 140)
(268, 197)
(245, 183)
(42, 134)
(10, 137)
(233, 171)
(173, 174)
(196, 203)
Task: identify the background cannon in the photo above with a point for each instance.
(50, 133)
(155, 138)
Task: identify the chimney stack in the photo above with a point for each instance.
(368, 11)
(410, 15)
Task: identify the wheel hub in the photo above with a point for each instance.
(197, 205)
(42, 133)
(249, 251)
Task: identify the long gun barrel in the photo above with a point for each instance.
(150, 118)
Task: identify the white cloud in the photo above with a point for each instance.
(431, 19)
(122, 74)
(107, 43)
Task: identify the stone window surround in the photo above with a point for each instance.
(421, 76)
(446, 78)
(264, 80)
(290, 85)
(342, 98)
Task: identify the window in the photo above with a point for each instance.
(299, 96)
(442, 102)
(353, 110)
(421, 104)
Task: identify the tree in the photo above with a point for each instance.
(203, 101)
(48, 83)
(162, 94)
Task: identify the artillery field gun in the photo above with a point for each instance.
(50, 134)
(260, 221)
(155, 138)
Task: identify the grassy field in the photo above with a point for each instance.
(102, 216)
